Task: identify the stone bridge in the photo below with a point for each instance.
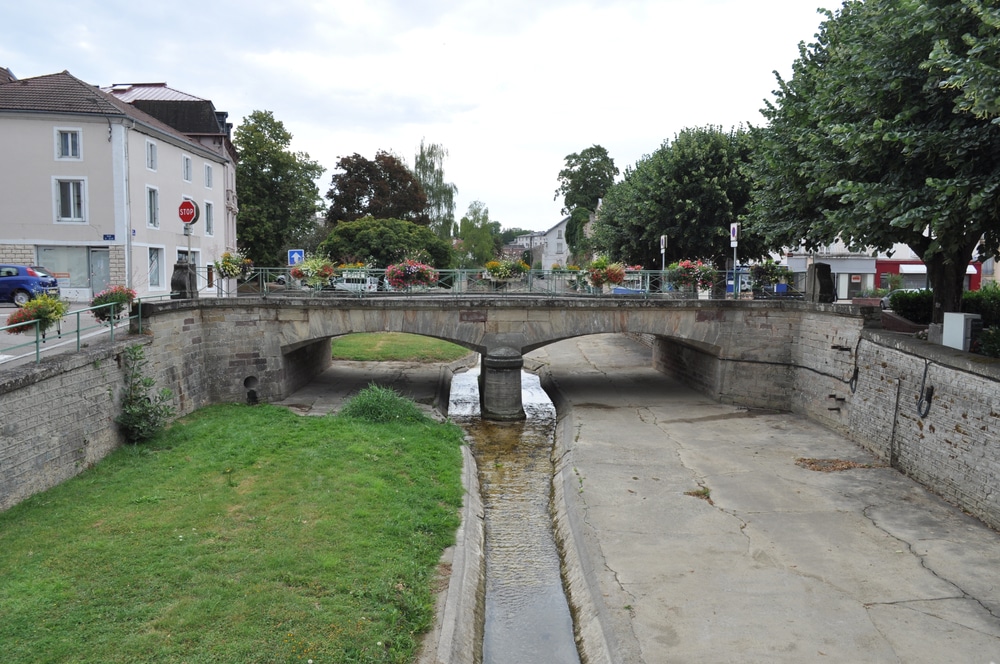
(741, 352)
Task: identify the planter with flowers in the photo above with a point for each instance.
(602, 271)
(114, 302)
(689, 277)
(410, 274)
(232, 265)
(506, 269)
(315, 272)
(45, 309)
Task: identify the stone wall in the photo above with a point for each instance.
(950, 444)
(58, 418)
(815, 360)
(867, 385)
(17, 254)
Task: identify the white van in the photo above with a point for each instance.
(356, 282)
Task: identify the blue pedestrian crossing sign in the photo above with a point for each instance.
(296, 256)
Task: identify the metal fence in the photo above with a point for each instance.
(72, 331)
(373, 283)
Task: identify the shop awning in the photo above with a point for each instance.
(922, 269)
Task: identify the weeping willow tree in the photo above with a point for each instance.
(428, 168)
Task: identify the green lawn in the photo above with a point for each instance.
(382, 346)
(240, 534)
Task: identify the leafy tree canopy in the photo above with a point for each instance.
(974, 67)
(864, 143)
(383, 188)
(385, 241)
(278, 196)
(480, 237)
(585, 179)
(690, 190)
(428, 168)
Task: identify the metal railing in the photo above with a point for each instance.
(462, 282)
(373, 283)
(77, 325)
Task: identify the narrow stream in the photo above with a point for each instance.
(527, 618)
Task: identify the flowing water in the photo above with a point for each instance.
(526, 618)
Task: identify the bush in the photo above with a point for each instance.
(143, 414)
(989, 342)
(915, 306)
(986, 303)
(379, 404)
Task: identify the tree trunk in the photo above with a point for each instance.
(947, 280)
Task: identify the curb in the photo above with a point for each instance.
(601, 639)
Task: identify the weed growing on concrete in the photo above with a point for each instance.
(702, 492)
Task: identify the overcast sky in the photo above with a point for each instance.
(508, 87)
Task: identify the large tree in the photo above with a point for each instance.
(278, 196)
(384, 242)
(383, 188)
(691, 190)
(975, 70)
(480, 237)
(865, 144)
(585, 179)
(428, 168)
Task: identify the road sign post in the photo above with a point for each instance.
(184, 282)
(734, 240)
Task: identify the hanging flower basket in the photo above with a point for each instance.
(47, 310)
(410, 273)
(120, 296)
(506, 269)
(316, 272)
(691, 274)
(233, 264)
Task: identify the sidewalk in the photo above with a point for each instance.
(695, 536)
(17, 349)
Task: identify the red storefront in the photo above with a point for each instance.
(914, 273)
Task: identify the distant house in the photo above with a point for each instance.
(92, 183)
(548, 248)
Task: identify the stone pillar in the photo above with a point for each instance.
(500, 385)
(819, 284)
(183, 282)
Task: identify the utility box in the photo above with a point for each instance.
(960, 330)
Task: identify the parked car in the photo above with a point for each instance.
(20, 283)
(886, 302)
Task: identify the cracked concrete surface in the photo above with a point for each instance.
(786, 564)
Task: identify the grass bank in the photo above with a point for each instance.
(241, 534)
(386, 346)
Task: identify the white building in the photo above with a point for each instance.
(91, 187)
(549, 248)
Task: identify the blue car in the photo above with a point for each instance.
(20, 283)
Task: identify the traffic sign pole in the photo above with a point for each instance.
(734, 239)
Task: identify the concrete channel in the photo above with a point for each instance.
(694, 531)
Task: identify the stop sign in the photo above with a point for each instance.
(188, 212)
